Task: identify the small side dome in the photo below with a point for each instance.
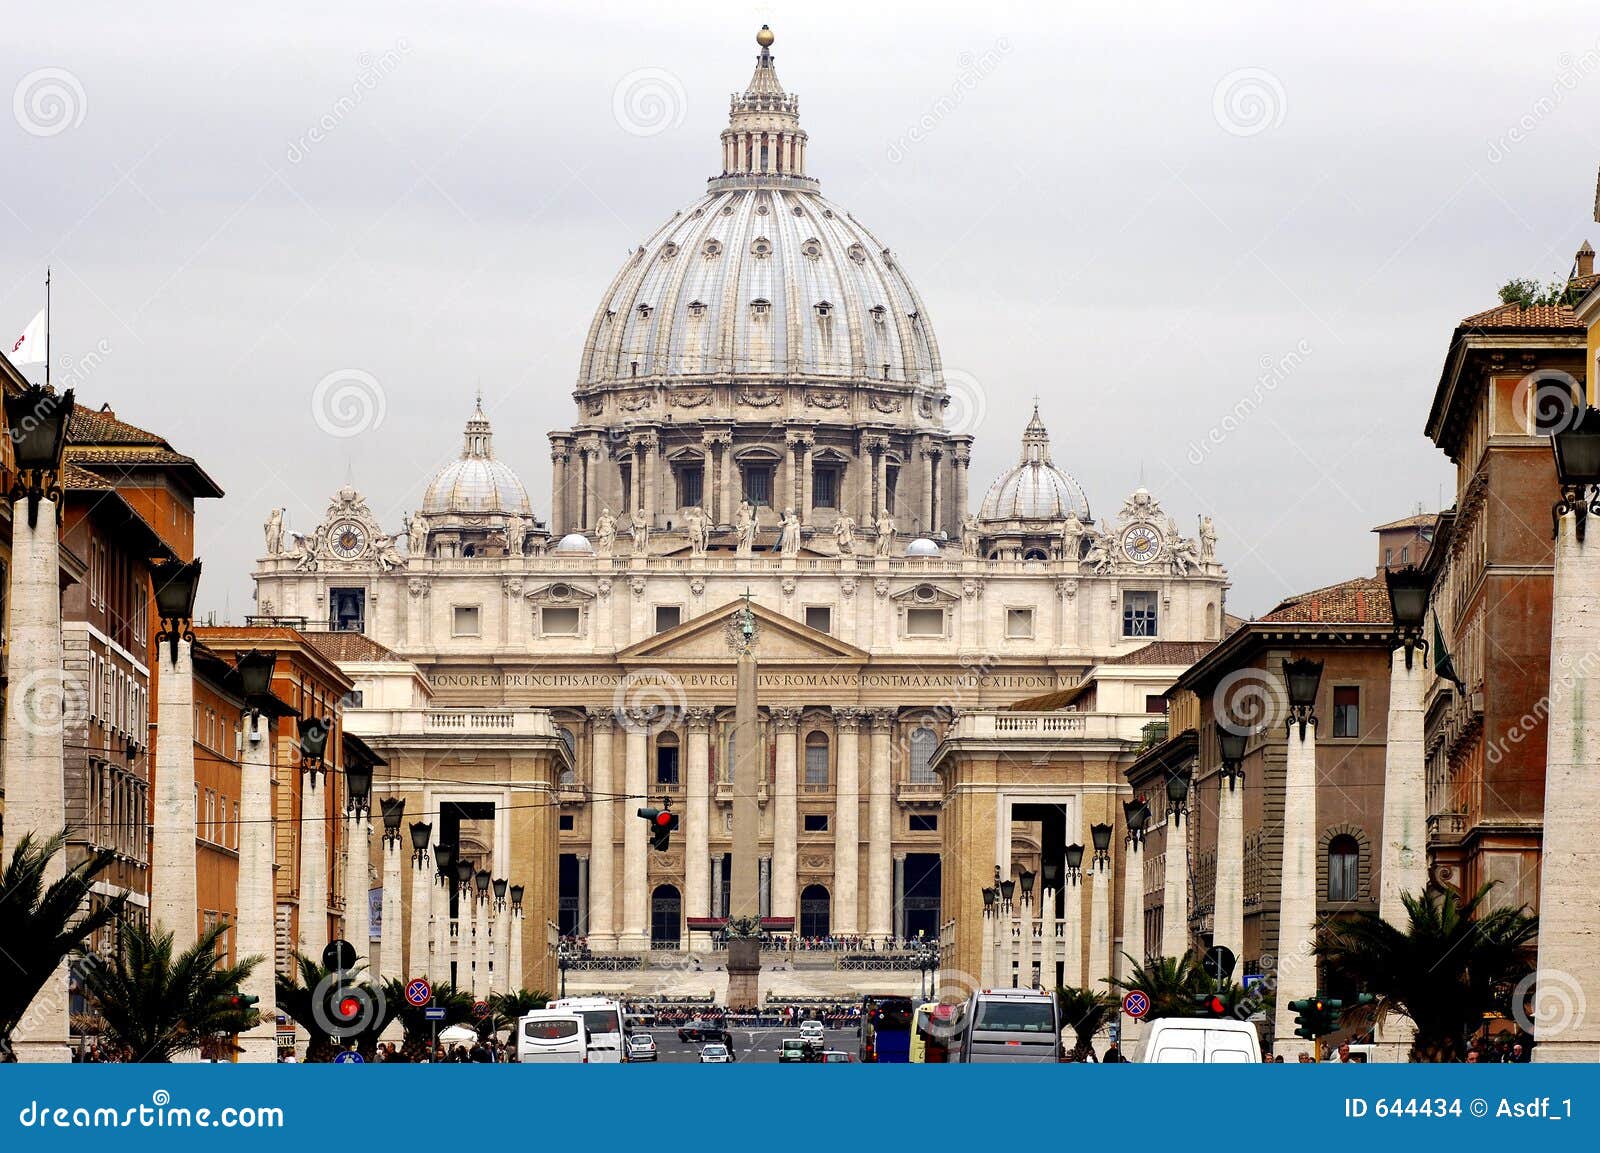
(1034, 489)
(476, 484)
(922, 546)
(575, 543)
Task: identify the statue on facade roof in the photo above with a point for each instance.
(744, 525)
(695, 525)
(605, 532)
(844, 534)
(417, 535)
(971, 536)
(885, 528)
(1072, 534)
(789, 537)
(1208, 541)
(274, 530)
(639, 527)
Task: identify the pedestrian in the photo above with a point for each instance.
(1344, 1052)
(1113, 1055)
(1472, 1056)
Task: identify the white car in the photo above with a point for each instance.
(810, 1030)
(715, 1053)
(641, 1047)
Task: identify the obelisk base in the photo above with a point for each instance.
(744, 974)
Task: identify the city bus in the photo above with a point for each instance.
(603, 1020)
(885, 1030)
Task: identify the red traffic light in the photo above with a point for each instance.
(350, 1008)
(664, 819)
(1215, 1007)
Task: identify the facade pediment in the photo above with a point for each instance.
(924, 594)
(559, 593)
(780, 641)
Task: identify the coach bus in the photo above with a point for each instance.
(885, 1030)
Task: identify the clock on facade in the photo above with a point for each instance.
(348, 540)
(1141, 544)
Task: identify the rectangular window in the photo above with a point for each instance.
(1139, 614)
(816, 764)
(924, 622)
(690, 478)
(465, 621)
(557, 621)
(819, 617)
(924, 823)
(566, 822)
(347, 610)
(668, 617)
(1019, 624)
(816, 822)
(1155, 703)
(208, 830)
(1346, 711)
(758, 484)
(825, 488)
(666, 764)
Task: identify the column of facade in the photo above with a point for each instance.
(786, 813)
(255, 929)
(480, 946)
(391, 925)
(581, 921)
(635, 846)
(313, 862)
(880, 503)
(501, 972)
(1175, 896)
(864, 473)
(929, 462)
(899, 913)
(728, 479)
(807, 448)
(1569, 898)
(708, 479)
(963, 457)
(847, 822)
(602, 830)
(419, 961)
(1297, 899)
(697, 821)
(357, 879)
(764, 886)
(1099, 966)
(1132, 931)
(439, 965)
(718, 909)
(174, 900)
(880, 828)
(558, 493)
(591, 458)
(1227, 915)
(1072, 931)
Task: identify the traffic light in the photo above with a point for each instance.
(242, 1001)
(1310, 1018)
(1210, 1005)
(1330, 1016)
(662, 822)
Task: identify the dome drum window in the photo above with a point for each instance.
(644, 312)
(760, 308)
(712, 249)
(824, 309)
(669, 250)
(761, 248)
(697, 309)
(812, 249)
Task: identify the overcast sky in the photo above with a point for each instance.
(1137, 215)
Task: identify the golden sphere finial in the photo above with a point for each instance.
(765, 37)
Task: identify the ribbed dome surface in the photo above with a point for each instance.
(1034, 489)
(476, 484)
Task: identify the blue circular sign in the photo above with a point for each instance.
(349, 1057)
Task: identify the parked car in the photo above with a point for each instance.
(716, 1053)
(796, 1050)
(641, 1047)
(811, 1031)
(704, 1031)
(837, 1057)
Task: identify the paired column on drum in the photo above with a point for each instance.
(786, 816)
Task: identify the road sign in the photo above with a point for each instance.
(1219, 962)
(419, 992)
(339, 954)
(436, 1013)
(1135, 1004)
(349, 1057)
(1116, 1031)
(480, 1009)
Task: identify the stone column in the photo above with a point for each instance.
(806, 471)
(1072, 932)
(391, 949)
(357, 880)
(635, 845)
(480, 946)
(255, 931)
(928, 463)
(313, 860)
(986, 967)
(443, 943)
(1297, 899)
(581, 922)
(420, 961)
(786, 814)
(708, 478)
(847, 821)
(764, 871)
(963, 456)
(558, 493)
(173, 899)
(1403, 864)
(602, 830)
(880, 829)
(1049, 942)
(697, 821)
(1569, 898)
(502, 970)
(34, 758)
(880, 463)
(1227, 918)
(516, 978)
(1099, 967)
(730, 480)
(718, 909)
(586, 459)
(1132, 937)
(1175, 898)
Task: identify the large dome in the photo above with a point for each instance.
(1034, 489)
(762, 276)
(476, 484)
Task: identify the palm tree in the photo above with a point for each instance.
(308, 1002)
(1451, 964)
(158, 1005)
(1171, 983)
(42, 927)
(509, 1008)
(1085, 1012)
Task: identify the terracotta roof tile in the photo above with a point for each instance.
(1165, 653)
(350, 648)
(1513, 316)
(75, 479)
(91, 426)
(1421, 520)
(1364, 600)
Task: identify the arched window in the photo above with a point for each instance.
(727, 768)
(569, 776)
(923, 741)
(817, 760)
(667, 759)
(1344, 868)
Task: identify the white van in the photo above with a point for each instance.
(603, 1022)
(552, 1036)
(1201, 1041)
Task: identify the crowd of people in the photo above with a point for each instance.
(578, 950)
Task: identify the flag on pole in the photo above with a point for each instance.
(29, 348)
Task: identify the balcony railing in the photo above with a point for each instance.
(450, 722)
(919, 792)
(1054, 726)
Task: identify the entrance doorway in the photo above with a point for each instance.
(922, 895)
(815, 906)
(666, 917)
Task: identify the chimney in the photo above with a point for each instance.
(1585, 260)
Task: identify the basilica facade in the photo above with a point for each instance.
(760, 412)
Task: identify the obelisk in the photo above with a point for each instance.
(744, 907)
